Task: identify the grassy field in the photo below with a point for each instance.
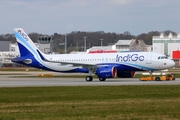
(91, 103)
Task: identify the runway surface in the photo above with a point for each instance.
(7, 79)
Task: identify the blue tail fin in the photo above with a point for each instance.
(26, 45)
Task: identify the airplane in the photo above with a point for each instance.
(104, 65)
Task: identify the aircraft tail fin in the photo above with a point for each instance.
(26, 45)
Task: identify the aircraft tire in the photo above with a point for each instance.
(89, 78)
(102, 79)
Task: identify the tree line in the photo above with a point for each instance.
(76, 39)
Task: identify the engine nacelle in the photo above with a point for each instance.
(106, 72)
(125, 74)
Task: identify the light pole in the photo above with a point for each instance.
(65, 44)
(101, 41)
(84, 43)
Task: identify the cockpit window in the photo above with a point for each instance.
(166, 57)
(162, 57)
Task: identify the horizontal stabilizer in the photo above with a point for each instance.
(22, 59)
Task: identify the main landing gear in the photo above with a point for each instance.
(89, 78)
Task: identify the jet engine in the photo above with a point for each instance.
(106, 72)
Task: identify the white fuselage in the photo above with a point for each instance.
(140, 60)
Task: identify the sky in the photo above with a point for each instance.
(65, 16)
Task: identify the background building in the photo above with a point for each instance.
(4, 45)
(122, 46)
(45, 44)
(166, 44)
(13, 47)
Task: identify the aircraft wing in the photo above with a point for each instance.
(89, 65)
(74, 64)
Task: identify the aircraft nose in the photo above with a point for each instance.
(172, 63)
(169, 64)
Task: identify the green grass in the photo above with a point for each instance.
(91, 103)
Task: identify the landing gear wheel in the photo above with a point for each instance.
(102, 79)
(89, 78)
(157, 79)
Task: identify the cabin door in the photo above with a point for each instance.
(149, 58)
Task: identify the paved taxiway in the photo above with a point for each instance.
(7, 79)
